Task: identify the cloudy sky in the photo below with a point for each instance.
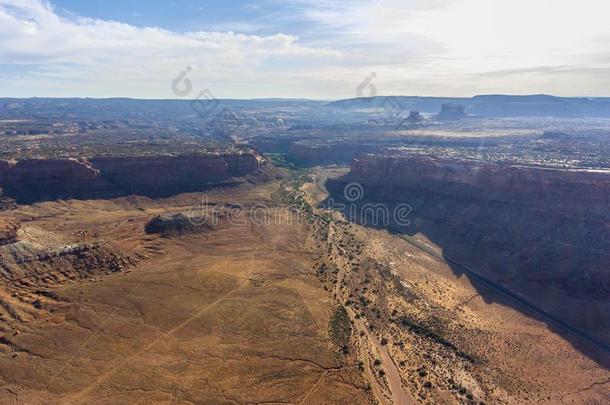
(303, 49)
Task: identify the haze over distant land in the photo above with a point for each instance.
(372, 202)
(303, 49)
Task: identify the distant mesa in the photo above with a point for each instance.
(451, 112)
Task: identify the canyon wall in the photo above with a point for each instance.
(105, 177)
(584, 193)
(344, 151)
(523, 226)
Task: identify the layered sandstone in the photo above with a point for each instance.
(102, 177)
(521, 225)
(8, 231)
(42, 179)
(314, 153)
(584, 193)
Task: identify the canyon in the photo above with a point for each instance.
(132, 299)
(541, 233)
(326, 253)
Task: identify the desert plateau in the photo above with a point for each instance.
(264, 202)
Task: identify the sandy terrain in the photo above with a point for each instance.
(234, 316)
(451, 343)
(250, 312)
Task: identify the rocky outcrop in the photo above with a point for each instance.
(43, 179)
(518, 224)
(414, 117)
(103, 177)
(176, 224)
(30, 272)
(8, 231)
(582, 193)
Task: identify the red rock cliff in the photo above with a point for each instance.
(582, 192)
(517, 223)
(102, 177)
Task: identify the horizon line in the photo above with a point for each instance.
(301, 98)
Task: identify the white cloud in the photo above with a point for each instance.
(112, 54)
(424, 47)
(448, 46)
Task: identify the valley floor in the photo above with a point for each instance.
(268, 308)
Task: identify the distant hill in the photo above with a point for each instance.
(493, 105)
(126, 108)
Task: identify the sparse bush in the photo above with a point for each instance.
(340, 328)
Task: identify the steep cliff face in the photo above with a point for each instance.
(312, 153)
(571, 192)
(38, 179)
(4, 166)
(518, 224)
(102, 177)
(28, 270)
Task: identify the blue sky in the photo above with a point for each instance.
(182, 15)
(306, 49)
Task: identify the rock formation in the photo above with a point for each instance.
(102, 177)
(175, 224)
(571, 192)
(414, 117)
(8, 231)
(41, 179)
(525, 223)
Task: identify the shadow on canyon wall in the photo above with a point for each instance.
(550, 265)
